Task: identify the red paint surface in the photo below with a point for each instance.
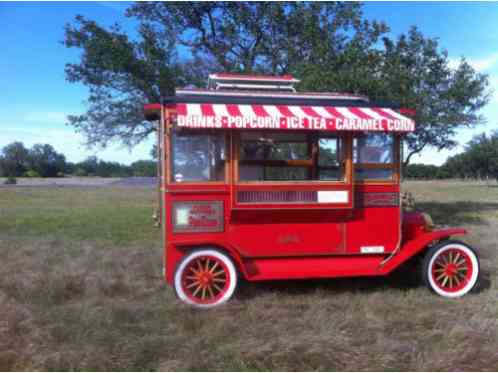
(296, 243)
(301, 240)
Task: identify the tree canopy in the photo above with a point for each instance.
(42, 160)
(330, 46)
(479, 159)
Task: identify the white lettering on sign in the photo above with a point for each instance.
(372, 249)
(333, 196)
(297, 123)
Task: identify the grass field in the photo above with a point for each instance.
(81, 289)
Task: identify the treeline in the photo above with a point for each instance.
(478, 161)
(420, 171)
(42, 160)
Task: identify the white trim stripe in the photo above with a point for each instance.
(272, 111)
(371, 113)
(194, 109)
(394, 114)
(247, 111)
(221, 110)
(346, 113)
(320, 110)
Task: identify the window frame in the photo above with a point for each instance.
(394, 165)
(312, 163)
(168, 158)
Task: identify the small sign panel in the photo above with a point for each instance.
(198, 216)
(333, 196)
(372, 249)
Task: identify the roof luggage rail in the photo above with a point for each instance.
(230, 81)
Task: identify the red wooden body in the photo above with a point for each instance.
(367, 235)
(302, 243)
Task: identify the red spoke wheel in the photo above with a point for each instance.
(205, 278)
(451, 269)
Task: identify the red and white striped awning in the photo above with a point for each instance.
(283, 117)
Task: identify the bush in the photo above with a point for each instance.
(31, 173)
(80, 172)
(11, 180)
(144, 168)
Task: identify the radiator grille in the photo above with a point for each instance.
(288, 196)
(376, 199)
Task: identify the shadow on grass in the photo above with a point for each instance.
(406, 277)
(457, 213)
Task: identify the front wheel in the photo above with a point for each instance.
(451, 269)
(205, 278)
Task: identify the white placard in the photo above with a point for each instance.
(333, 196)
(182, 214)
(372, 249)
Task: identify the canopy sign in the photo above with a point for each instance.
(285, 117)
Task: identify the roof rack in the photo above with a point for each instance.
(231, 81)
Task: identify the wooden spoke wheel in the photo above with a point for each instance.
(451, 269)
(205, 278)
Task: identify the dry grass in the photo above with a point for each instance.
(81, 289)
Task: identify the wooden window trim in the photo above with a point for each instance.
(168, 159)
(394, 165)
(279, 163)
(345, 166)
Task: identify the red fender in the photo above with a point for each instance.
(415, 246)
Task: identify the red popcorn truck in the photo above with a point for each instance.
(260, 182)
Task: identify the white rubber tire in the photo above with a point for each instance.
(432, 256)
(199, 253)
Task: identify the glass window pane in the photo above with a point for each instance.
(274, 136)
(333, 174)
(329, 152)
(263, 149)
(373, 174)
(286, 173)
(198, 157)
(269, 148)
(373, 148)
(251, 172)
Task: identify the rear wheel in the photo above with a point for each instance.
(451, 269)
(205, 278)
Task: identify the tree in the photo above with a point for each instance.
(418, 76)
(88, 167)
(330, 46)
(479, 160)
(144, 168)
(46, 161)
(121, 74)
(14, 159)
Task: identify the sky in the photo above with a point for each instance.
(35, 98)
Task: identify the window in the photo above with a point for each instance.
(330, 159)
(373, 156)
(197, 156)
(268, 156)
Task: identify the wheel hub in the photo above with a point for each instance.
(451, 269)
(205, 279)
